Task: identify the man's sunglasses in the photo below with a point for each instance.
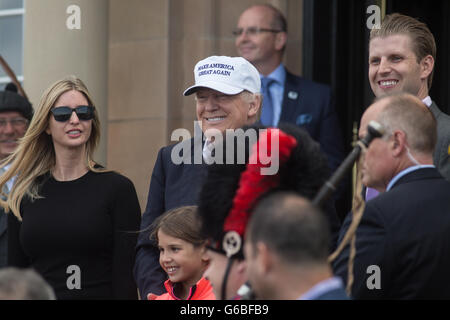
(63, 114)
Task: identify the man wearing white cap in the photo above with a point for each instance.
(228, 96)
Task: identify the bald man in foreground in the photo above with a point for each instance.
(402, 241)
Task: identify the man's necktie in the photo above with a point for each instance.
(267, 106)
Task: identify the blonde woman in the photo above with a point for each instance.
(72, 221)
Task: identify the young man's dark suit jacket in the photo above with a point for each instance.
(441, 156)
(405, 232)
(172, 185)
(310, 106)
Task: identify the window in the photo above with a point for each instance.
(11, 38)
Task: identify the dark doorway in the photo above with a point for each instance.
(335, 52)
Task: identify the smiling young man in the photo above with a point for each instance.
(402, 55)
(15, 114)
(227, 91)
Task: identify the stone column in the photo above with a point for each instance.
(58, 43)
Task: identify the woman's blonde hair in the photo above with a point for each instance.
(35, 155)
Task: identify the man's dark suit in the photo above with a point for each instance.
(441, 157)
(3, 233)
(405, 232)
(335, 294)
(310, 106)
(172, 185)
(3, 238)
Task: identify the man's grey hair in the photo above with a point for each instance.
(249, 96)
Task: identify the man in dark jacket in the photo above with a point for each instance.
(286, 250)
(402, 240)
(15, 114)
(228, 96)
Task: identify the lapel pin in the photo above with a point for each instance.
(292, 95)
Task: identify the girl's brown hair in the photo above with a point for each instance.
(182, 223)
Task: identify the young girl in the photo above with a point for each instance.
(182, 255)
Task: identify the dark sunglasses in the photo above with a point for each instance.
(63, 114)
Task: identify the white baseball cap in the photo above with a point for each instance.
(229, 75)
